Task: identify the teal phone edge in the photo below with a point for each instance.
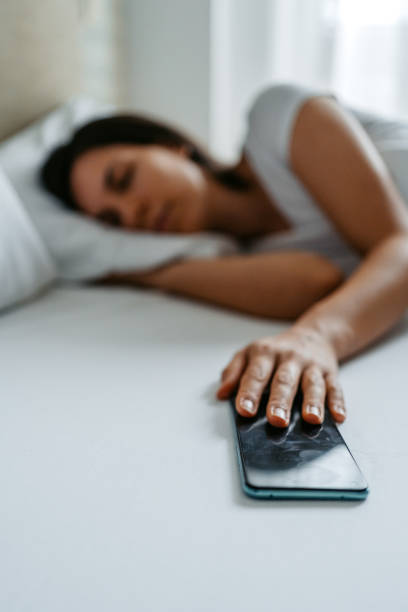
(293, 494)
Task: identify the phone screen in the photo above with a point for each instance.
(301, 456)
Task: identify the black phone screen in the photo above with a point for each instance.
(301, 456)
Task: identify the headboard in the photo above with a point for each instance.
(39, 59)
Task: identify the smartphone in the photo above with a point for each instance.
(302, 461)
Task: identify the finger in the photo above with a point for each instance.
(253, 382)
(283, 390)
(314, 392)
(335, 398)
(231, 374)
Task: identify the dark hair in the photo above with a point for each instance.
(121, 129)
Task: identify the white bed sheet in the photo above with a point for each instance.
(119, 477)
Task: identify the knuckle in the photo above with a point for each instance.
(256, 372)
(248, 386)
(331, 380)
(333, 386)
(336, 396)
(281, 394)
(290, 355)
(313, 375)
(261, 346)
(285, 376)
(314, 400)
(334, 391)
(310, 389)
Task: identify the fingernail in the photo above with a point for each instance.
(312, 410)
(339, 410)
(279, 412)
(248, 405)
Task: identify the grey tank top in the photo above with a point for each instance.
(270, 119)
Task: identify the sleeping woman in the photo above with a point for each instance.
(310, 176)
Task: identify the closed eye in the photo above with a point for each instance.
(119, 182)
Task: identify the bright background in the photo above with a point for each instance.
(199, 63)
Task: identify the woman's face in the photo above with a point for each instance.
(141, 187)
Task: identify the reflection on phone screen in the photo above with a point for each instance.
(299, 456)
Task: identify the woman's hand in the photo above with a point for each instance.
(296, 356)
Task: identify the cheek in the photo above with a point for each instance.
(194, 177)
(193, 213)
(157, 183)
(192, 193)
(182, 177)
(191, 197)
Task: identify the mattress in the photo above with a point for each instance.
(119, 477)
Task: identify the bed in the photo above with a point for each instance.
(119, 476)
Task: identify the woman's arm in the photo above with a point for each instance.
(339, 165)
(372, 300)
(368, 304)
(278, 285)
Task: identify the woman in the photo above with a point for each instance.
(306, 160)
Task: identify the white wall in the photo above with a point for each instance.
(194, 63)
(167, 53)
(101, 49)
(240, 57)
(39, 62)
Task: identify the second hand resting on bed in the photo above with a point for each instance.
(166, 185)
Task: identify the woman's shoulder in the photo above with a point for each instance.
(272, 112)
(283, 96)
(276, 92)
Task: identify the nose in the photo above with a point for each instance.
(133, 211)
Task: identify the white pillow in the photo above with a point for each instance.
(25, 265)
(85, 248)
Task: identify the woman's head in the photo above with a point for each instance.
(136, 173)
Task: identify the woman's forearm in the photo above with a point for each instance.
(368, 304)
(273, 285)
